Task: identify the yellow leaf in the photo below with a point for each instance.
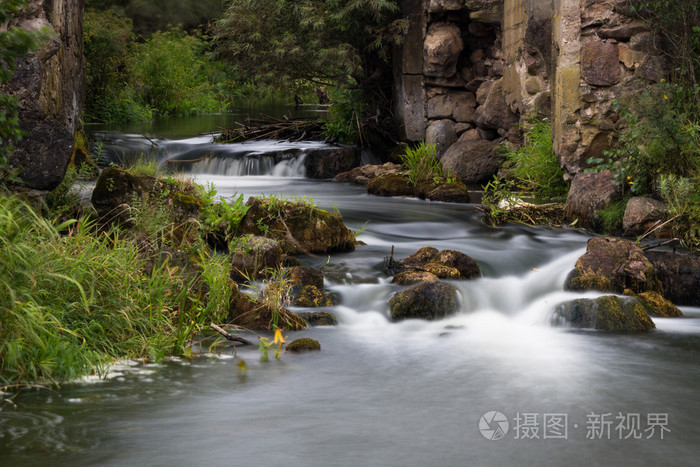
(279, 338)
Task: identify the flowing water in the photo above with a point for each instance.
(384, 393)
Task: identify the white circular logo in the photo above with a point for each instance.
(493, 425)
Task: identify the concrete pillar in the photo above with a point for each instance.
(409, 85)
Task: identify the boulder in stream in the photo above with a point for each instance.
(298, 226)
(445, 264)
(425, 300)
(249, 312)
(607, 313)
(613, 265)
(302, 344)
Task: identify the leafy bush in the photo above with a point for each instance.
(534, 166)
(171, 73)
(658, 139)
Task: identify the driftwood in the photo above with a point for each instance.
(272, 128)
(229, 336)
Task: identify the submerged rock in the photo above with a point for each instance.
(426, 300)
(302, 344)
(319, 318)
(613, 265)
(607, 313)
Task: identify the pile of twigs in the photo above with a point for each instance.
(272, 128)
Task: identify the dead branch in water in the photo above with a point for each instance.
(229, 336)
(273, 128)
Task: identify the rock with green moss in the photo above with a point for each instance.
(253, 257)
(303, 344)
(248, 312)
(445, 264)
(656, 305)
(607, 313)
(319, 318)
(306, 287)
(454, 192)
(391, 185)
(310, 296)
(118, 189)
(425, 300)
(413, 276)
(298, 226)
(613, 265)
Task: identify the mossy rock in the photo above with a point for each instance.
(413, 276)
(116, 186)
(455, 192)
(251, 313)
(606, 313)
(311, 296)
(442, 271)
(319, 318)
(253, 257)
(575, 281)
(298, 226)
(656, 305)
(305, 275)
(303, 344)
(620, 261)
(426, 300)
(445, 264)
(391, 185)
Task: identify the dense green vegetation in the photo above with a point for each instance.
(170, 73)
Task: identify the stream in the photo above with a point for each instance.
(495, 384)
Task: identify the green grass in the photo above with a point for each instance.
(422, 164)
(73, 301)
(534, 166)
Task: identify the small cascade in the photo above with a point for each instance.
(202, 156)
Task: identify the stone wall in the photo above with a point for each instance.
(473, 69)
(601, 56)
(51, 91)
